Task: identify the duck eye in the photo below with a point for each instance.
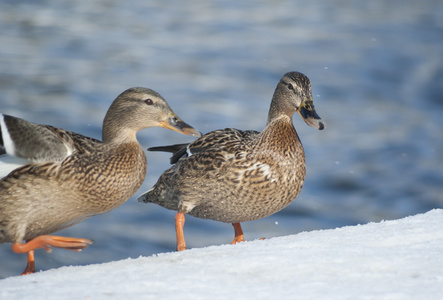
(290, 86)
(149, 101)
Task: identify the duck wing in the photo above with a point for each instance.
(23, 142)
(228, 139)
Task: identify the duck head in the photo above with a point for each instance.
(293, 94)
(139, 108)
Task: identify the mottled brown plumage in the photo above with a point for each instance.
(234, 176)
(71, 177)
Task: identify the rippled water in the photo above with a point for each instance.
(376, 69)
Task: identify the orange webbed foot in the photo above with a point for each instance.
(46, 242)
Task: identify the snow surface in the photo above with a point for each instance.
(399, 259)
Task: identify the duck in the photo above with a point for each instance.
(232, 175)
(60, 178)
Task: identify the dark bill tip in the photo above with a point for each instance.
(311, 118)
(178, 125)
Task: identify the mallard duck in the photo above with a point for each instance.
(69, 177)
(233, 175)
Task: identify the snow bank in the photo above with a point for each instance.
(401, 259)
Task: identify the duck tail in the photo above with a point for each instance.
(178, 151)
(143, 198)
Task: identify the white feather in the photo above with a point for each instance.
(188, 151)
(7, 141)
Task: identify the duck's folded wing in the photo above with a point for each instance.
(228, 139)
(37, 143)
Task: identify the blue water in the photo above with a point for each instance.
(376, 69)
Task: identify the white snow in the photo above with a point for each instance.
(400, 259)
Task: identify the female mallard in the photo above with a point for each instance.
(69, 177)
(234, 176)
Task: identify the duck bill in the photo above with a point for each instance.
(176, 124)
(309, 115)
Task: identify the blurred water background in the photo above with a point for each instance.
(376, 69)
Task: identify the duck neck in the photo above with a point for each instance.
(114, 131)
(279, 108)
(280, 133)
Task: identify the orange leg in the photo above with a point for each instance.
(46, 241)
(179, 223)
(238, 233)
(30, 266)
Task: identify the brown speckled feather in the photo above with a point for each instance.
(235, 176)
(71, 177)
(84, 184)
